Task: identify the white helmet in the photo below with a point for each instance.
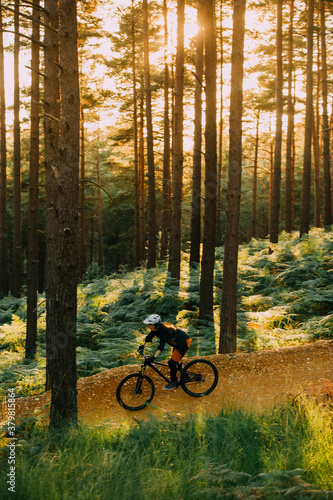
(153, 319)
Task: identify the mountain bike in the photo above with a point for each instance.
(198, 378)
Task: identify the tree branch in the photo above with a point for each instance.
(31, 18)
(41, 44)
(101, 187)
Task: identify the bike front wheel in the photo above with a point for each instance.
(135, 391)
(199, 377)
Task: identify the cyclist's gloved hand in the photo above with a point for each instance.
(141, 348)
(151, 359)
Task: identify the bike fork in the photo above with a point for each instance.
(139, 381)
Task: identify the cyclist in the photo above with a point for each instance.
(167, 334)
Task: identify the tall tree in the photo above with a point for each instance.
(220, 140)
(209, 233)
(3, 173)
(306, 182)
(151, 261)
(228, 330)
(166, 190)
(135, 147)
(82, 246)
(275, 212)
(99, 208)
(142, 242)
(255, 179)
(326, 130)
(197, 144)
(32, 254)
(17, 210)
(177, 152)
(316, 142)
(51, 140)
(290, 127)
(63, 251)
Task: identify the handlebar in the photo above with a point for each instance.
(147, 362)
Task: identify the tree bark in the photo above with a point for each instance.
(142, 186)
(316, 142)
(306, 182)
(82, 248)
(177, 156)
(99, 210)
(63, 257)
(326, 130)
(166, 189)
(197, 146)
(275, 213)
(289, 187)
(228, 330)
(209, 234)
(135, 148)
(220, 141)
(255, 181)
(51, 139)
(32, 254)
(3, 174)
(151, 261)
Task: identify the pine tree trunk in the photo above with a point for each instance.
(99, 212)
(51, 139)
(316, 156)
(177, 153)
(275, 213)
(151, 261)
(220, 141)
(290, 127)
(228, 331)
(3, 173)
(316, 144)
(63, 256)
(82, 248)
(255, 181)
(17, 215)
(306, 186)
(142, 221)
(209, 233)
(326, 130)
(166, 190)
(32, 254)
(136, 255)
(197, 146)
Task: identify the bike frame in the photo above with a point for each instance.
(143, 368)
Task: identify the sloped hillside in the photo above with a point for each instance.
(247, 380)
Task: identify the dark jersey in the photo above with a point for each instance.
(169, 335)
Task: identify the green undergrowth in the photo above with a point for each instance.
(286, 452)
(284, 298)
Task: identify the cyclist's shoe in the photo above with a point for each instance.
(171, 385)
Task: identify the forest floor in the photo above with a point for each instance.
(246, 380)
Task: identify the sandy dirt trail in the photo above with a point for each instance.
(246, 380)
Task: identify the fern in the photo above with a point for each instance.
(284, 298)
(223, 482)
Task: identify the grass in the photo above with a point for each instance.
(284, 298)
(286, 451)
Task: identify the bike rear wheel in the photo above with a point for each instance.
(200, 377)
(135, 391)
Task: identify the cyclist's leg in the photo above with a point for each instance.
(177, 356)
(175, 364)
